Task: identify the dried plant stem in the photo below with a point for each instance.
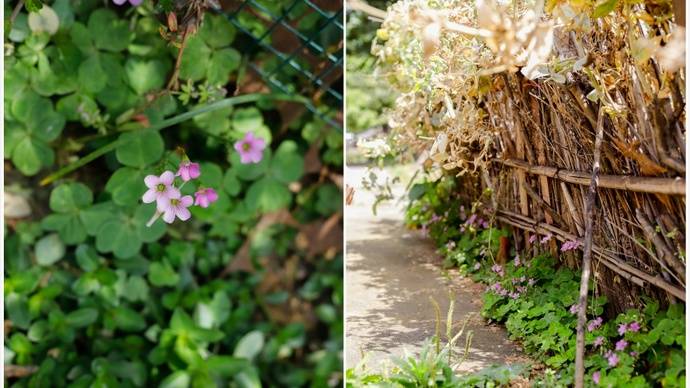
(654, 185)
(172, 83)
(587, 257)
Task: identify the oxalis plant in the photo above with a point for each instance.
(99, 143)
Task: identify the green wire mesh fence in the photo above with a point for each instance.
(304, 43)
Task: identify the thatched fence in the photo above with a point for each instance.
(542, 171)
(513, 99)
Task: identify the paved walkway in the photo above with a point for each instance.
(391, 273)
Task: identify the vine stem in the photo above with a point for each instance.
(224, 103)
(590, 202)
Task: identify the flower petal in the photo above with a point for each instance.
(169, 216)
(184, 173)
(194, 170)
(186, 201)
(119, 2)
(172, 193)
(149, 196)
(245, 158)
(167, 178)
(239, 145)
(151, 181)
(211, 195)
(183, 213)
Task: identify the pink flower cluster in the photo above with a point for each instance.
(570, 245)
(170, 203)
(594, 324)
(498, 269)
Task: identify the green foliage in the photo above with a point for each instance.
(93, 297)
(533, 297)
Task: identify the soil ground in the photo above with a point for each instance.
(391, 273)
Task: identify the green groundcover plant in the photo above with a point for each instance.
(536, 299)
(156, 237)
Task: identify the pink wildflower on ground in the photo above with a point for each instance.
(531, 282)
(516, 261)
(250, 148)
(205, 197)
(498, 269)
(477, 266)
(160, 189)
(596, 376)
(622, 329)
(574, 308)
(620, 345)
(634, 327)
(570, 245)
(177, 207)
(132, 2)
(612, 358)
(594, 324)
(599, 341)
(546, 238)
(188, 170)
(532, 238)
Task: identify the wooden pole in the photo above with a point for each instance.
(587, 257)
(652, 185)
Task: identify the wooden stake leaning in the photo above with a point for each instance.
(587, 257)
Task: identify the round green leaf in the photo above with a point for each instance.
(287, 164)
(30, 155)
(70, 197)
(140, 148)
(148, 234)
(268, 195)
(179, 379)
(195, 59)
(126, 186)
(211, 175)
(127, 319)
(145, 76)
(87, 257)
(49, 250)
(68, 226)
(82, 317)
(217, 31)
(107, 31)
(231, 184)
(222, 64)
(162, 274)
(250, 345)
(91, 75)
(118, 236)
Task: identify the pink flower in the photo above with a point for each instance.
(160, 189)
(133, 2)
(634, 327)
(531, 282)
(570, 245)
(471, 220)
(622, 328)
(251, 148)
(205, 197)
(498, 269)
(517, 260)
(620, 345)
(532, 238)
(574, 308)
(546, 238)
(177, 207)
(599, 341)
(477, 266)
(596, 376)
(188, 170)
(612, 358)
(633, 354)
(593, 325)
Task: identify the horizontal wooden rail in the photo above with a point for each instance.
(618, 266)
(653, 185)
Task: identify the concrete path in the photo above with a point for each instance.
(391, 273)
